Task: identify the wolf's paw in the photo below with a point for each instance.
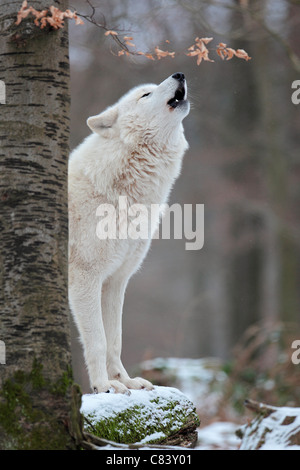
(111, 386)
(137, 383)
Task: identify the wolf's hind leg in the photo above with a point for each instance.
(85, 302)
(113, 291)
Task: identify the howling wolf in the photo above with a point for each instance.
(135, 150)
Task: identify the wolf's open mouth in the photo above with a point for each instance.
(178, 97)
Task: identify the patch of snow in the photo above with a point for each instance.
(271, 446)
(193, 376)
(219, 435)
(153, 436)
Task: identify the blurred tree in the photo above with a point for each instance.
(258, 120)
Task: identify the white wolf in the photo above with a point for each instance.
(135, 150)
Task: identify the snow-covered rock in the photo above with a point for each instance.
(163, 415)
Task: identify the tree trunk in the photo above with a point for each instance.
(34, 324)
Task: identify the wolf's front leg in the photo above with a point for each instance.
(113, 291)
(85, 302)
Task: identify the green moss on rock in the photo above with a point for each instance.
(144, 416)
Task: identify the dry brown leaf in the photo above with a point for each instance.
(23, 12)
(110, 33)
(149, 56)
(145, 54)
(42, 18)
(78, 21)
(227, 52)
(193, 53)
(241, 54)
(129, 43)
(230, 53)
(206, 40)
(161, 53)
(220, 52)
(200, 50)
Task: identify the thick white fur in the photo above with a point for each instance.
(135, 150)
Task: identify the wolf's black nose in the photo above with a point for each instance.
(179, 76)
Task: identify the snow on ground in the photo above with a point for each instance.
(193, 377)
(218, 436)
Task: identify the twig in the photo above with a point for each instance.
(91, 439)
(89, 423)
(90, 18)
(91, 442)
(261, 408)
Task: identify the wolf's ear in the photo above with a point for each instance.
(103, 120)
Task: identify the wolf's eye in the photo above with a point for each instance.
(146, 94)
